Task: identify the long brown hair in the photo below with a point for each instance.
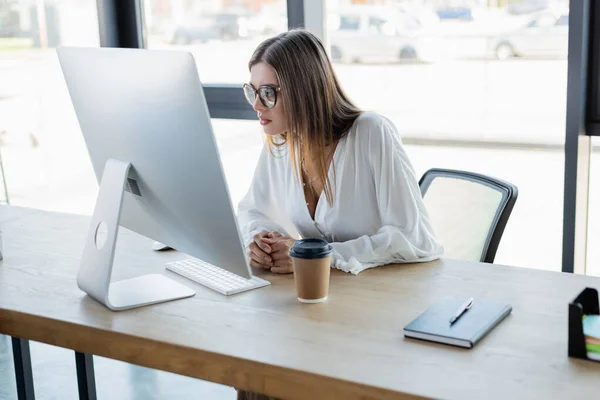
(317, 110)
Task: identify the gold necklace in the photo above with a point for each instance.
(310, 181)
(311, 189)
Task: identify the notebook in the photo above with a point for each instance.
(474, 324)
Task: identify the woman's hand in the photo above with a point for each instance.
(280, 252)
(259, 252)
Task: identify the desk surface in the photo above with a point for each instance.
(264, 340)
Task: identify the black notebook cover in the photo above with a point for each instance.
(434, 323)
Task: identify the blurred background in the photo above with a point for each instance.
(478, 85)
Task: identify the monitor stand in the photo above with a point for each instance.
(97, 261)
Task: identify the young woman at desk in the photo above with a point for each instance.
(329, 170)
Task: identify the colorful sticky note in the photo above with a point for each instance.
(591, 326)
(593, 348)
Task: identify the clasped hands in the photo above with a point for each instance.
(271, 250)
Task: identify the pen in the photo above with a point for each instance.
(462, 310)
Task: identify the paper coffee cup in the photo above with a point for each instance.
(311, 259)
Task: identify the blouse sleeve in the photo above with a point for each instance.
(262, 205)
(406, 234)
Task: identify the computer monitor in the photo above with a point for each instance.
(147, 129)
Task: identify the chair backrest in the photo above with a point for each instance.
(468, 211)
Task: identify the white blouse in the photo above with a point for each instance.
(378, 216)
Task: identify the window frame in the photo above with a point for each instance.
(121, 24)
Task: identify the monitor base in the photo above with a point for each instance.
(96, 266)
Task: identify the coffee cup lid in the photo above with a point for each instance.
(311, 248)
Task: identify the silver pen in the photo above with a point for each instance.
(462, 310)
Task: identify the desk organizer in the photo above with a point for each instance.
(586, 303)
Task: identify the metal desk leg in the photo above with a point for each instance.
(23, 372)
(85, 376)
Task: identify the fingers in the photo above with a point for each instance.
(254, 264)
(268, 242)
(254, 249)
(259, 240)
(274, 240)
(257, 262)
(278, 243)
(273, 244)
(280, 254)
(270, 250)
(286, 269)
(259, 256)
(273, 237)
(262, 262)
(283, 262)
(280, 250)
(266, 263)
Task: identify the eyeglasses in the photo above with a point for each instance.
(266, 93)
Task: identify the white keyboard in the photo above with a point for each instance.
(214, 277)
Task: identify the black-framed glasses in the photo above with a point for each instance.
(266, 93)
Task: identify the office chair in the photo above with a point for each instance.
(468, 211)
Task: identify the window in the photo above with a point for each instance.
(376, 23)
(44, 160)
(220, 34)
(563, 20)
(593, 250)
(471, 90)
(381, 26)
(349, 23)
(240, 143)
(545, 21)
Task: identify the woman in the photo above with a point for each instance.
(328, 170)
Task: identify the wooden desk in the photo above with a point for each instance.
(348, 348)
